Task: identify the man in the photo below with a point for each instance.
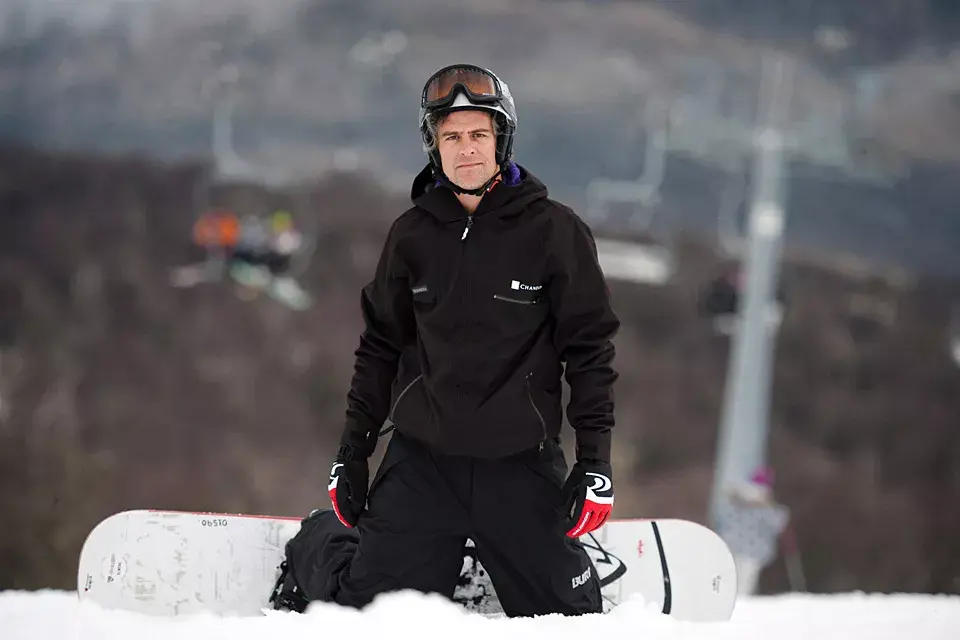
(484, 291)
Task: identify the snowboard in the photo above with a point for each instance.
(174, 563)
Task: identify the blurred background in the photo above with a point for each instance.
(143, 142)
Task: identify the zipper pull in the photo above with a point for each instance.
(466, 229)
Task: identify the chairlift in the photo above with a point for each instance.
(644, 192)
(261, 252)
(271, 255)
(649, 258)
(720, 301)
(214, 231)
(258, 256)
(229, 165)
(633, 262)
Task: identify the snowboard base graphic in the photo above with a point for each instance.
(172, 563)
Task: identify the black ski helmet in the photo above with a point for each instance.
(464, 86)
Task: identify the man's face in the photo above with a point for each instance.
(468, 148)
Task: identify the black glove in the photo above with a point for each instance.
(587, 497)
(349, 478)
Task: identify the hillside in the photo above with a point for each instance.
(118, 391)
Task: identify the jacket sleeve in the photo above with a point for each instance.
(585, 325)
(387, 309)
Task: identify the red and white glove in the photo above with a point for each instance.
(349, 478)
(348, 490)
(587, 497)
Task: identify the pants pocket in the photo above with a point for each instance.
(397, 452)
(549, 462)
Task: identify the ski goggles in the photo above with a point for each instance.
(480, 86)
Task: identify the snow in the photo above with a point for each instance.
(58, 615)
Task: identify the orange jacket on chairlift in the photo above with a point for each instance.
(217, 229)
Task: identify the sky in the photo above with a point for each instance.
(39, 615)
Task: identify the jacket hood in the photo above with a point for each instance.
(505, 199)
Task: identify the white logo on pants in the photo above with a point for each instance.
(580, 580)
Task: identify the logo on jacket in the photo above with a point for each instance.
(516, 285)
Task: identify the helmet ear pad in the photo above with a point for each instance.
(504, 138)
(506, 128)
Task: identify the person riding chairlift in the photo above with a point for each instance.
(720, 301)
(215, 236)
(262, 259)
(285, 241)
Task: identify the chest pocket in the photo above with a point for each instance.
(517, 308)
(515, 288)
(520, 296)
(424, 299)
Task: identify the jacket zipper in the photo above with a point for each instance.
(543, 424)
(393, 410)
(463, 291)
(497, 296)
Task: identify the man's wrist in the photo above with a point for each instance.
(593, 446)
(356, 445)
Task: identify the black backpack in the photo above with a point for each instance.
(310, 560)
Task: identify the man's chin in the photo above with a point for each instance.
(469, 182)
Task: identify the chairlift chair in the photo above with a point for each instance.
(720, 302)
(259, 275)
(641, 261)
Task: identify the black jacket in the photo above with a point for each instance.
(469, 320)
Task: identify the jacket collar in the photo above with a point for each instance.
(509, 196)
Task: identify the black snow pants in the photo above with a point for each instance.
(422, 507)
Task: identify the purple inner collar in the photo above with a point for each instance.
(511, 176)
